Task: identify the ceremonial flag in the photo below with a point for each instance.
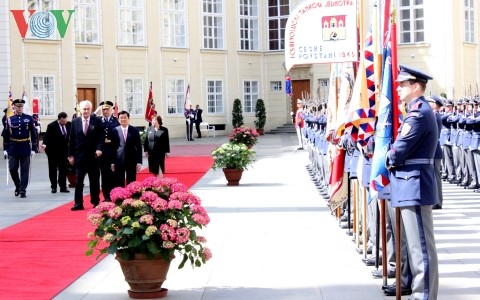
(288, 86)
(187, 96)
(115, 108)
(379, 179)
(26, 106)
(9, 104)
(150, 109)
(35, 108)
(361, 117)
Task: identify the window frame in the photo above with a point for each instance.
(138, 38)
(46, 98)
(82, 6)
(175, 94)
(219, 98)
(411, 21)
(278, 12)
(469, 22)
(249, 34)
(137, 95)
(170, 36)
(213, 35)
(250, 97)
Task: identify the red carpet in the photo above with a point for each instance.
(41, 256)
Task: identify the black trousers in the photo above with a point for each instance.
(125, 172)
(20, 180)
(197, 127)
(57, 163)
(91, 169)
(189, 129)
(108, 177)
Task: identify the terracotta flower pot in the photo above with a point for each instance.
(261, 131)
(145, 276)
(233, 176)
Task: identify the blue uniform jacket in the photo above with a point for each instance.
(414, 184)
(20, 137)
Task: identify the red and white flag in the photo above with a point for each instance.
(150, 109)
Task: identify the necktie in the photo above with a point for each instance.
(64, 132)
(125, 134)
(85, 126)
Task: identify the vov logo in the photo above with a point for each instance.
(42, 24)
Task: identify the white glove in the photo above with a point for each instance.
(5, 154)
(32, 154)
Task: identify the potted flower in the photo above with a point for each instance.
(145, 225)
(232, 159)
(243, 135)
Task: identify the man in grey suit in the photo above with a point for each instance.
(128, 159)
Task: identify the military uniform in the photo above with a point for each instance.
(20, 140)
(108, 151)
(412, 179)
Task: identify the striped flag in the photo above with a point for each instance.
(379, 179)
(187, 96)
(9, 104)
(150, 109)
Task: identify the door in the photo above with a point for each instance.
(87, 94)
(300, 89)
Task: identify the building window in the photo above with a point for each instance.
(43, 88)
(323, 89)
(46, 24)
(131, 23)
(250, 96)
(276, 85)
(412, 29)
(469, 21)
(133, 96)
(175, 96)
(215, 96)
(174, 23)
(249, 25)
(212, 16)
(278, 12)
(86, 22)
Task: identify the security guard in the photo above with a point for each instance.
(109, 122)
(412, 179)
(20, 142)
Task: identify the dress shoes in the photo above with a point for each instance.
(17, 192)
(23, 195)
(391, 290)
(454, 181)
(300, 148)
(378, 273)
(54, 190)
(77, 207)
(437, 206)
(65, 190)
(473, 186)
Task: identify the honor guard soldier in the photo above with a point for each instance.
(412, 179)
(109, 122)
(20, 142)
(448, 172)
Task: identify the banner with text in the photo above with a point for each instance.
(321, 32)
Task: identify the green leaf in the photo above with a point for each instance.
(89, 252)
(128, 230)
(184, 260)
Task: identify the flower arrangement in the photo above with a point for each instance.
(153, 217)
(243, 135)
(232, 156)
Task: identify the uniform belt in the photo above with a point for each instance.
(419, 161)
(19, 140)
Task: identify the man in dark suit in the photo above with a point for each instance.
(55, 145)
(84, 150)
(109, 122)
(198, 119)
(128, 158)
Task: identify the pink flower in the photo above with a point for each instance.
(95, 218)
(115, 212)
(201, 239)
(119, 193)
(151, 182)
(149, 197)
(174, 204)
(178, 187)
(159, 205)
(128, 202)
(182, 235)
(167, 233)
(206, 253)
(134, 187)
(201, 219)
(168, 245)
(147, 219)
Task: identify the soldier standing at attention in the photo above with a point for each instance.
(20, 140)
(109, 122)
(412, 178)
